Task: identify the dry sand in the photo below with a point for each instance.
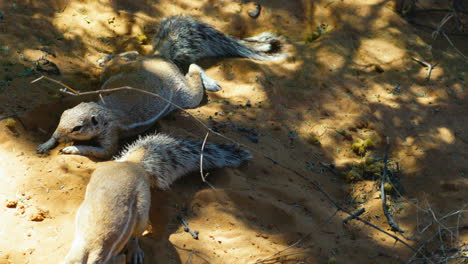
(342, 81)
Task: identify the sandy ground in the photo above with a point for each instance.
(335, 90)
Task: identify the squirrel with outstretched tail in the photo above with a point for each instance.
(179, 41)
(115, 210)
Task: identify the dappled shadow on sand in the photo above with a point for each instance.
(355, 81)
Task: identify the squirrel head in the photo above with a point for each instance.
(82, 122)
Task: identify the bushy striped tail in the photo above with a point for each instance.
(263, 47)
(166, 159)
(185, 40)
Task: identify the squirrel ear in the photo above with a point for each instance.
(94, 120)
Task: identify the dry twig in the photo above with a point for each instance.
(357, 213)
(281, 251)
(439, 30)
(201, 162)
(453, 45)
(57, 82)
(429, 66)
(193, 252)
(389, 217)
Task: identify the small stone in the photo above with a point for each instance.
(21, 209)
(37, 215)
(256, 12)
(11, 204)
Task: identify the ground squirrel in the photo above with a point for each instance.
(128, 113)
(181, 40)
(117, 200)
(113, 214)
(185, 40)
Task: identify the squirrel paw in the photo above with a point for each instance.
(210, 84)
(42, 148)
(70, 150)
(135, 255)
(46, 146)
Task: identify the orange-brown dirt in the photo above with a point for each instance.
(334, 90)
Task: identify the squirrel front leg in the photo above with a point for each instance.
(108, 147)
(46, 146)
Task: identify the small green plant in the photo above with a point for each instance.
(360, 146)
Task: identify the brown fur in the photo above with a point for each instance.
(113, 214)
(128, 113)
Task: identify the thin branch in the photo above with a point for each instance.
(201, 162)
(447, 17)
(353, 216)
(389, 217)
(438, 31)
(281, 251)
(429, 66)
(201, 157)
(453, 45)
(57, 82)
(194, 252)
(442, 218)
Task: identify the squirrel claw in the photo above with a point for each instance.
(41, 150)
(70, 150)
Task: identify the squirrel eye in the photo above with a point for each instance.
(94, 121)
(77, 128)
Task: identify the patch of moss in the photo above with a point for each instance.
(353, 176)
(321, 30)
(360, 146)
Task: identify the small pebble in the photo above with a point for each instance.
(255, 13)
(11, 204)
(37, 215)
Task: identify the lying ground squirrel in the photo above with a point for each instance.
(128, 113)
(180, 39)
(185, 40)
(117, 200)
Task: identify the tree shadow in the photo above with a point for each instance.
(345, 80)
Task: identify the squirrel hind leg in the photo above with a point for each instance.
(210, 84)
(135, 254)
(119, 259)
